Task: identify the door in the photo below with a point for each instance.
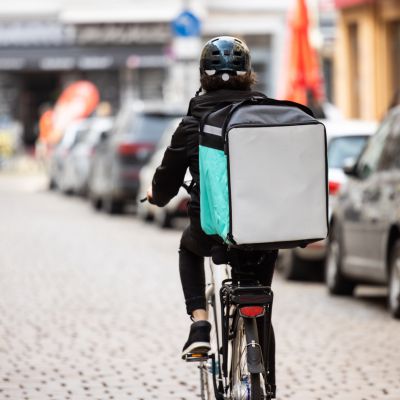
(386, 208)
(360, 213)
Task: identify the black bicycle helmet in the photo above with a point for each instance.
(225, 54)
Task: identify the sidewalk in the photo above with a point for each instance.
(23, 164)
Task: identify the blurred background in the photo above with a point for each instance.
(91, 92)
(141, 50)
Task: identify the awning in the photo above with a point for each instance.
(82, 58)
(351, 3)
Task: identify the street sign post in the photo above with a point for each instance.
(186, 24)
(186, 28)
(186, 46)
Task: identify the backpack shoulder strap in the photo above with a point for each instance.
(263, 100)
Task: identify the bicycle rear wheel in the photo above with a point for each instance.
(245, 385)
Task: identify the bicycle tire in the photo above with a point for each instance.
(205, 389)
(244, 385)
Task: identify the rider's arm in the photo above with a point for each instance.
(169, 176)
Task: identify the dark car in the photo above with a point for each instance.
(123, 151)
(364, 243)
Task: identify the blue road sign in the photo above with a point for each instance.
(186, 24)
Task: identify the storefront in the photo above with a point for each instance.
(367, 71)
(38, 58)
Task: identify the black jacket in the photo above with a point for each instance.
(183, 151)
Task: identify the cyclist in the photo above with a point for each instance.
(226, 77)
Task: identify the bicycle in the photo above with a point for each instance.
(240, 309)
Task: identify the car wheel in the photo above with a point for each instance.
(295, 269)
(52, 184)
(143, 213)
(163, 219)
(394, 281)
(112, 206)
(336, 282)
(95, 202)
(68, 192)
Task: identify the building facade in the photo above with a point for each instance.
(263, 25)
(367, 72)
(125, 47)
(45, 45)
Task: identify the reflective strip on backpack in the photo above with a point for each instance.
(212, 130)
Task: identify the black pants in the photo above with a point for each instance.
(194, 246)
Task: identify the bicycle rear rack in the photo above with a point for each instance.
(239, 296)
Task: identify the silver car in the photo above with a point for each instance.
(176, 207)
(120, 155)
(345, 140)
(58, 177)
(79, 159)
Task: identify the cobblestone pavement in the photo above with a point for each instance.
(91, 308)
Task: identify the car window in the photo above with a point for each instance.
(167, 135)
(70, 137)
(148, 127)
(342, 148)
(391, 152)
(81, 135)
(371, 155)
(96, 130)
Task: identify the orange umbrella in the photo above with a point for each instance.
(303, 76)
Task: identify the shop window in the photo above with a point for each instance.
(151, 83)
(395, 41)
(261, 56)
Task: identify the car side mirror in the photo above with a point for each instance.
(350, 167)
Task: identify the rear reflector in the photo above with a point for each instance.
(183, 205)
(316, 245)
(334, 187)
(251, 311)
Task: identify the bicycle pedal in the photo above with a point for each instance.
(196, 357)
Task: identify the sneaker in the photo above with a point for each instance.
(199, 338)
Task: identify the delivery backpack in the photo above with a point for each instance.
(263, 174)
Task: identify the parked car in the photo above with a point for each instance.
(78, 160)
(177, 207)
(119, 155)
(345, 141)
(364, 243)
(57, 177)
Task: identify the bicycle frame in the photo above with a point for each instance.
(226, 299)
(215, 276)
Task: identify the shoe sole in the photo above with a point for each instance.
(197, 347)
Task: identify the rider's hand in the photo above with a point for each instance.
(150, 194)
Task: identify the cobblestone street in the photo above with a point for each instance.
(91, 308)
